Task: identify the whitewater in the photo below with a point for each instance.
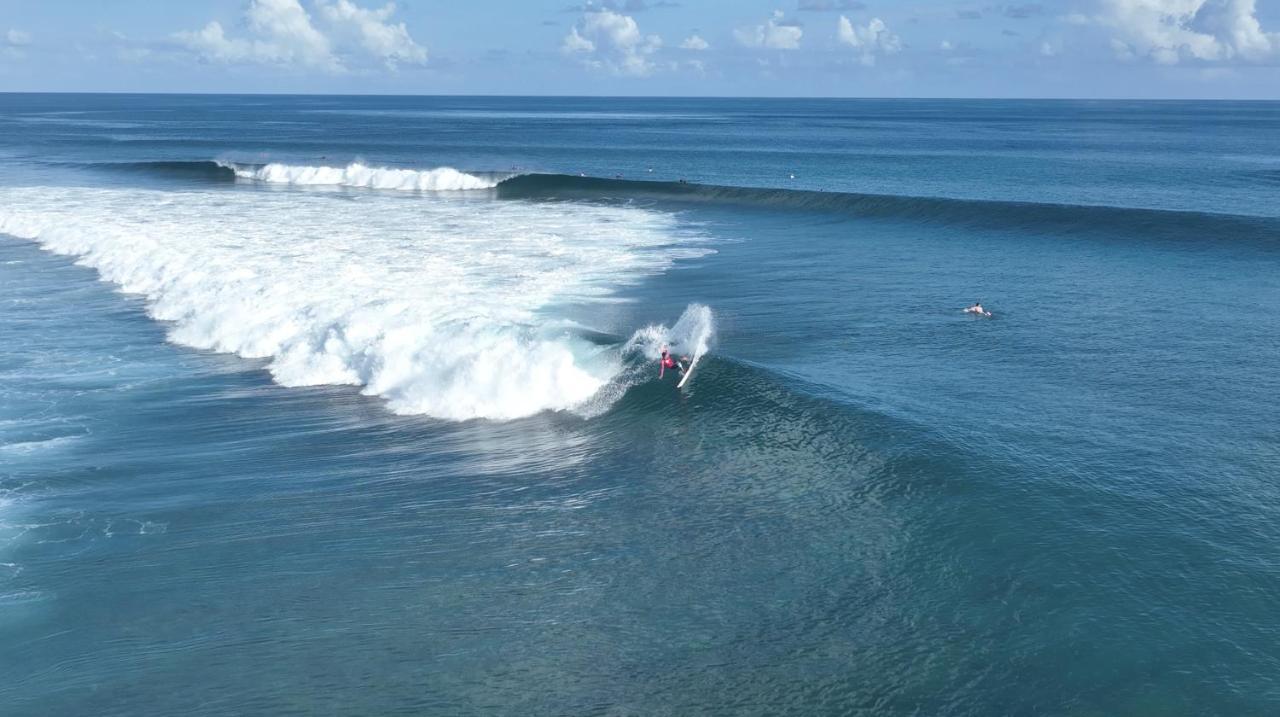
(360, 175)
(441, 305)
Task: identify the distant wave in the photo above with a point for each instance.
(355, 175)
(1269, 176)
(361, 175)
(940, 210)
(200, 171)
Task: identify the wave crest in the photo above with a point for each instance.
(357, 174)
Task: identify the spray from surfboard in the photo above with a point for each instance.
(692, 336)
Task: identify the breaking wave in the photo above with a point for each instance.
(436, 307)
(357, 174)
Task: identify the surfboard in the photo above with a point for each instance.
(688, 372)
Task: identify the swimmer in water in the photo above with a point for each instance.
(977, 309)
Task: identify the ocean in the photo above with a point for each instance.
(350, 405)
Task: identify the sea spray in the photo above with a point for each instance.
(692, 335)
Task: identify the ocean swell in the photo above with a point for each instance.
(1028, 216)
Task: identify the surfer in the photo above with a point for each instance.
(668, 361)
(977, 309)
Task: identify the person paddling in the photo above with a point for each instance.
(977, 309)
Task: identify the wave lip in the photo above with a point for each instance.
(358, 174)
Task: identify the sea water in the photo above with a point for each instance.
(338, 405)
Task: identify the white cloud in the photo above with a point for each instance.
(870, 40)
(282, 32)
(573, 42)
(288, 25)
(613, 42)
(694, 42)
(945, 45)
(774, 34)
(389, 42)
(211, 43)
(12, 44)
(1169, 31)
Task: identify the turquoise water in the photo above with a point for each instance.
(280, 435)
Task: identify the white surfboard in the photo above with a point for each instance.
(689, 371)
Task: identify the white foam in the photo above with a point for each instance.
(357, 174)
(692, 335)
(439, 306)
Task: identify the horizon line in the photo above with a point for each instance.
(640, 97)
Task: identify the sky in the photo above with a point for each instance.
(832, 48)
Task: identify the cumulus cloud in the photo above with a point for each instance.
(694, 42)
(1169, 31)
(282, 32)
(774, 34)
(573, 42)
(12, 44)
(376, 34)
(612, 41)
(870, 40)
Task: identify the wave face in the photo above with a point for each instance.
(434, 306)
(936, 210)
(356, 174)
(197, 171)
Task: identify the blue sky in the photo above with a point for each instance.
(881, 48)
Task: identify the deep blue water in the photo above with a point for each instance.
(280, 437)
